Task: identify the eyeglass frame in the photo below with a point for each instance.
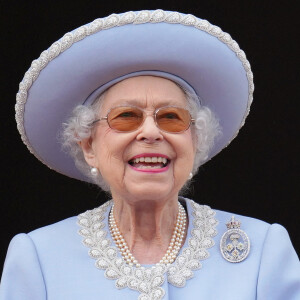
(192, 120)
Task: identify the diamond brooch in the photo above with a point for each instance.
(234, 244)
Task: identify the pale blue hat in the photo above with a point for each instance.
(83, 63)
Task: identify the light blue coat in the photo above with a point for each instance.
(52, 263)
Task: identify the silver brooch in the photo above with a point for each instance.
(235, 244)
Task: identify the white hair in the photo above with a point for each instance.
(80, 126)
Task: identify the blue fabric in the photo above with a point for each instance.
(52, 263)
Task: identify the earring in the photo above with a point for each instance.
(94, 171)
(190, 176)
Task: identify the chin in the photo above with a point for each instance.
(151, 191)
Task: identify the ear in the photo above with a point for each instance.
(88, 152)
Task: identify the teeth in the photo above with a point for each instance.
(151, 160)
(148, 167)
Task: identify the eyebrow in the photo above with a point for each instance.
(137, 103)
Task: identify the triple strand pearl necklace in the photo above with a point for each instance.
(174, 246)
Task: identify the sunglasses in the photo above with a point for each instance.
(170, 119)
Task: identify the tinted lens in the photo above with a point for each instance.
(125, 118)
(173, 119)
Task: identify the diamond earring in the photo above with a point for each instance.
(190, 176)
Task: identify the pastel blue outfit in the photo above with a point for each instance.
(57, 263)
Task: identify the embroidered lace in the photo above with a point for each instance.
(148, 280)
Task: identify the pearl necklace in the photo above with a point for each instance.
(174, 246)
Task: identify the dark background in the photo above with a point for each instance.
(255, 176)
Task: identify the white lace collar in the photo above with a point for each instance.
(148, 280)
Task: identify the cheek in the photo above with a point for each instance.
(185, 151)
(188, 146)
(102, 148)
(110, 151)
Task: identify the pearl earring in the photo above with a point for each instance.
(190, 176)
(94, 171)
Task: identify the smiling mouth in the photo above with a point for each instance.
(145, 162)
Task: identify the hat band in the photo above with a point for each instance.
(96, 93)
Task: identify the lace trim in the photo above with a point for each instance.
(118, 20)
(148, 281)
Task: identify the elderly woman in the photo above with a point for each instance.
(154, 95)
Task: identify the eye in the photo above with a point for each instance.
(127, 114)
(169, 115)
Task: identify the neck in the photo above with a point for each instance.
(147, 227)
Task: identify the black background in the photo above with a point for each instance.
(255, 176)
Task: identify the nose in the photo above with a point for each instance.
(149, 132)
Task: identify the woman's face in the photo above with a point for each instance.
(113, 153)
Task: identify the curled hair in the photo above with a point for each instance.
(79, 127)
(205, 130)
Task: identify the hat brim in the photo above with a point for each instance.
(84, 62)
